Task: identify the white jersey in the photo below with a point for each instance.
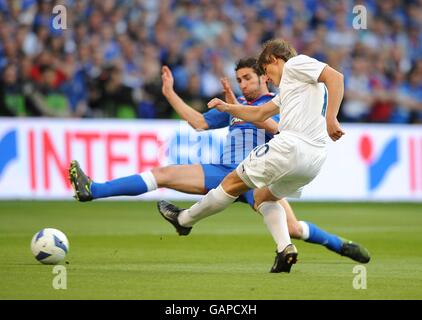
(302, 100)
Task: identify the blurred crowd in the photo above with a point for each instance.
(107, 62)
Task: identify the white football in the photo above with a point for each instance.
(49, 246)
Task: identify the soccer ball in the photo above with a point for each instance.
(49, 246)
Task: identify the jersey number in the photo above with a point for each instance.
(261, 150)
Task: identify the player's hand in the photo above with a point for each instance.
(218, 104)
(168, 80)
(228, 92)
(334, 129)
(226, 84)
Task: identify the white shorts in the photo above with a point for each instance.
(285, 165)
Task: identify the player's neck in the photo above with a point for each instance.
(259, 95)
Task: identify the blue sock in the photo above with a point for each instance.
(317, 235)
(128, 186)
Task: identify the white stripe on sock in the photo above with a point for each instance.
(305, 230)
(149, 180)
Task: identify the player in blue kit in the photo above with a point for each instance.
(242, 138)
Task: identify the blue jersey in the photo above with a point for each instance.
(243, 136)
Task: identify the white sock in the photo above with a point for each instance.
(149, 180)
(276, 221)
(305, 230)
(214, 201)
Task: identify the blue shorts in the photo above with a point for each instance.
(215, 173)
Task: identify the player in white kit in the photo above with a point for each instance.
(308, 104)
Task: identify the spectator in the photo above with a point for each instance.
(382, 91)
(358, 97)
(47, 95)
(200, 41)
(115, 100)
(12, 99)
(192, 94)
(409, 99)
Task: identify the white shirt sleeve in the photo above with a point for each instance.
(276, 101)
(304, 68)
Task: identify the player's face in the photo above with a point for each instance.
(249, 83)
(274, 71)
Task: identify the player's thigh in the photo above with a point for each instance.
(214, 174)
(291, 187)
(233, 185)
(267, 163)
(184, 178)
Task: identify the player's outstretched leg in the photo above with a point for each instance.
(171, 213)
(80, 182)
(184, 178)
(313, 234)
(86, 190)
(285, 259)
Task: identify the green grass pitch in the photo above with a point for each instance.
(125, 250)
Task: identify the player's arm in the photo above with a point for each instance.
(268, 125)
(193, 117)
(334, 81)
(247, 113)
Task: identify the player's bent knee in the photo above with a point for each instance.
(163, 175)
(233, 185)
(295, 230)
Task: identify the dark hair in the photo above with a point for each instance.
(277, 48)
(250, 62)
(45, 68)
